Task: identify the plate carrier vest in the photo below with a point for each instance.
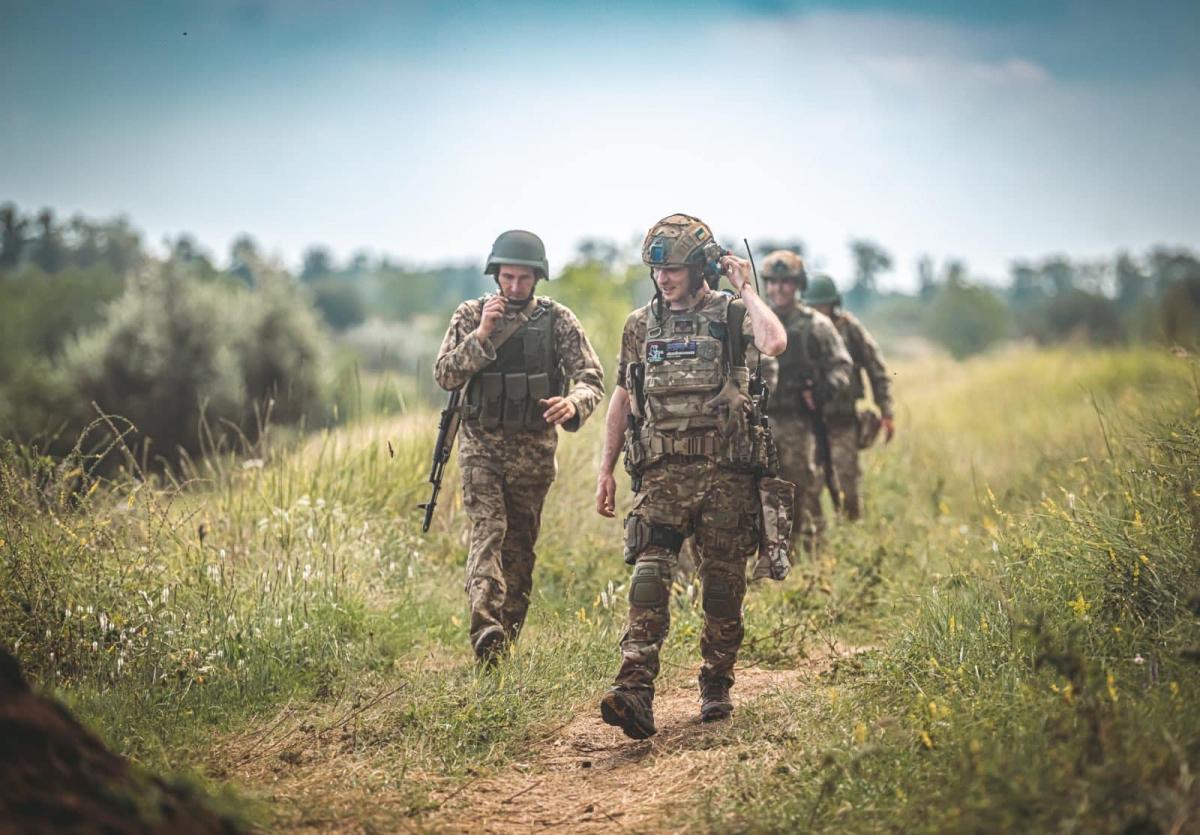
(504, 394)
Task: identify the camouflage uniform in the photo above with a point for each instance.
(505, 473)
(840, 413)
(815, 359)
(682, 495)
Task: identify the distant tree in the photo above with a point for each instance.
(122, 246)
(49, 252)
(597, 250)
(318, 263)
(870, 260)
(927, 283)
(1059, 274)
(954, 274)
(966, 318)
(12, 236)
(1180, 311)
(244, 259)
(339, 301)
(83, 241)
(1079, 314)
(1133, 285)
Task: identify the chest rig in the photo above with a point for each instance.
(798, 368)
(504, 395)
(686, 360)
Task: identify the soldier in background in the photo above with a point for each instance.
(529, 369)
(849, 430)
(814, 370)
(682, 375)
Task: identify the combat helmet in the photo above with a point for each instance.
(677, 241)
(822, 290)
(785, 265)
(516, 246)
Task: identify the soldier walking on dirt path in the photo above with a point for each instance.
(850, 430)
(814, 370)
(529, 369)
(685, 403)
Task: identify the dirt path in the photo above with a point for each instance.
(581, 776)
(590, 777)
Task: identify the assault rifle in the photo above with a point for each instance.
(447, 431)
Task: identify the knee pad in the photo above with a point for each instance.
(718, 599)
(646, 589)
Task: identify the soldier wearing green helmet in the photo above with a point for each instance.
(814, 369)
(528, 368)
(849, 429)
(679, 410)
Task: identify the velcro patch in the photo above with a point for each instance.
(682, 349)
(683, 326)
(656, 351)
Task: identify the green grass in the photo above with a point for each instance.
(998, 580)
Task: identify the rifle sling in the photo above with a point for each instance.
(513, 326)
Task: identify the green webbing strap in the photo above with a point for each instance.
(735, 317)
(513, 326)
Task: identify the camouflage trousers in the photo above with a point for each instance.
(799, 464)
(843, 449)
(506, 515)
(689, 496)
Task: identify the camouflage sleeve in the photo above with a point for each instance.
(835, 358)
(630, 346)
(581, 365)
(872, 362)
(462, 355)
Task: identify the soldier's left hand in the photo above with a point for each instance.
(738, 271)
(558, 410)
(889, 428)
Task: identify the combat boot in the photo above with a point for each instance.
(491, 647)
(630, 710)
(715, 703)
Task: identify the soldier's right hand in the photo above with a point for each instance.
(493, 312)
(606, 495)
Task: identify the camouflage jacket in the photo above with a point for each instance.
(463, 355)
(816, 351)
(867, 357)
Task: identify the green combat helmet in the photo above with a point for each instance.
(516, 246)
(822, 290)
(677, 241)
(785, 265)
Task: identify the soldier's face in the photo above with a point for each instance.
(781, 293)
(674, 283)
(515, 282)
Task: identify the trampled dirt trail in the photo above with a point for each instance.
(581, 776)
(589, 777)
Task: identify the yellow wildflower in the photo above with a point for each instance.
(1111, 683)
(1080, 606)
(860, 733)
(926, 741)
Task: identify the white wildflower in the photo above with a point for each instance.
(252, 464)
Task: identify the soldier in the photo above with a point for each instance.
(850, 431)
(528, 368)
(683, 378)
(814, 370)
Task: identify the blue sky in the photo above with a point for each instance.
(980, 131)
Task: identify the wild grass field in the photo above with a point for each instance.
(1009, 643)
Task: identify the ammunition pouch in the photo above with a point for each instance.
(509, 402)
(640, 535)
(777, 501)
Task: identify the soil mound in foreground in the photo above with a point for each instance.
(56, 776)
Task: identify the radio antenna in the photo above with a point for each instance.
(753, 268)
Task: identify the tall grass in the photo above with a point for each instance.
(999, 579)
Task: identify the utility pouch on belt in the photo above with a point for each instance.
(775, 532)
(516, 389)
(491, 409)
(640, 534)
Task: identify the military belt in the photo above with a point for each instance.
(707, 444)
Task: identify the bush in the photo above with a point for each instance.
(966, 319)
(175, 354)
